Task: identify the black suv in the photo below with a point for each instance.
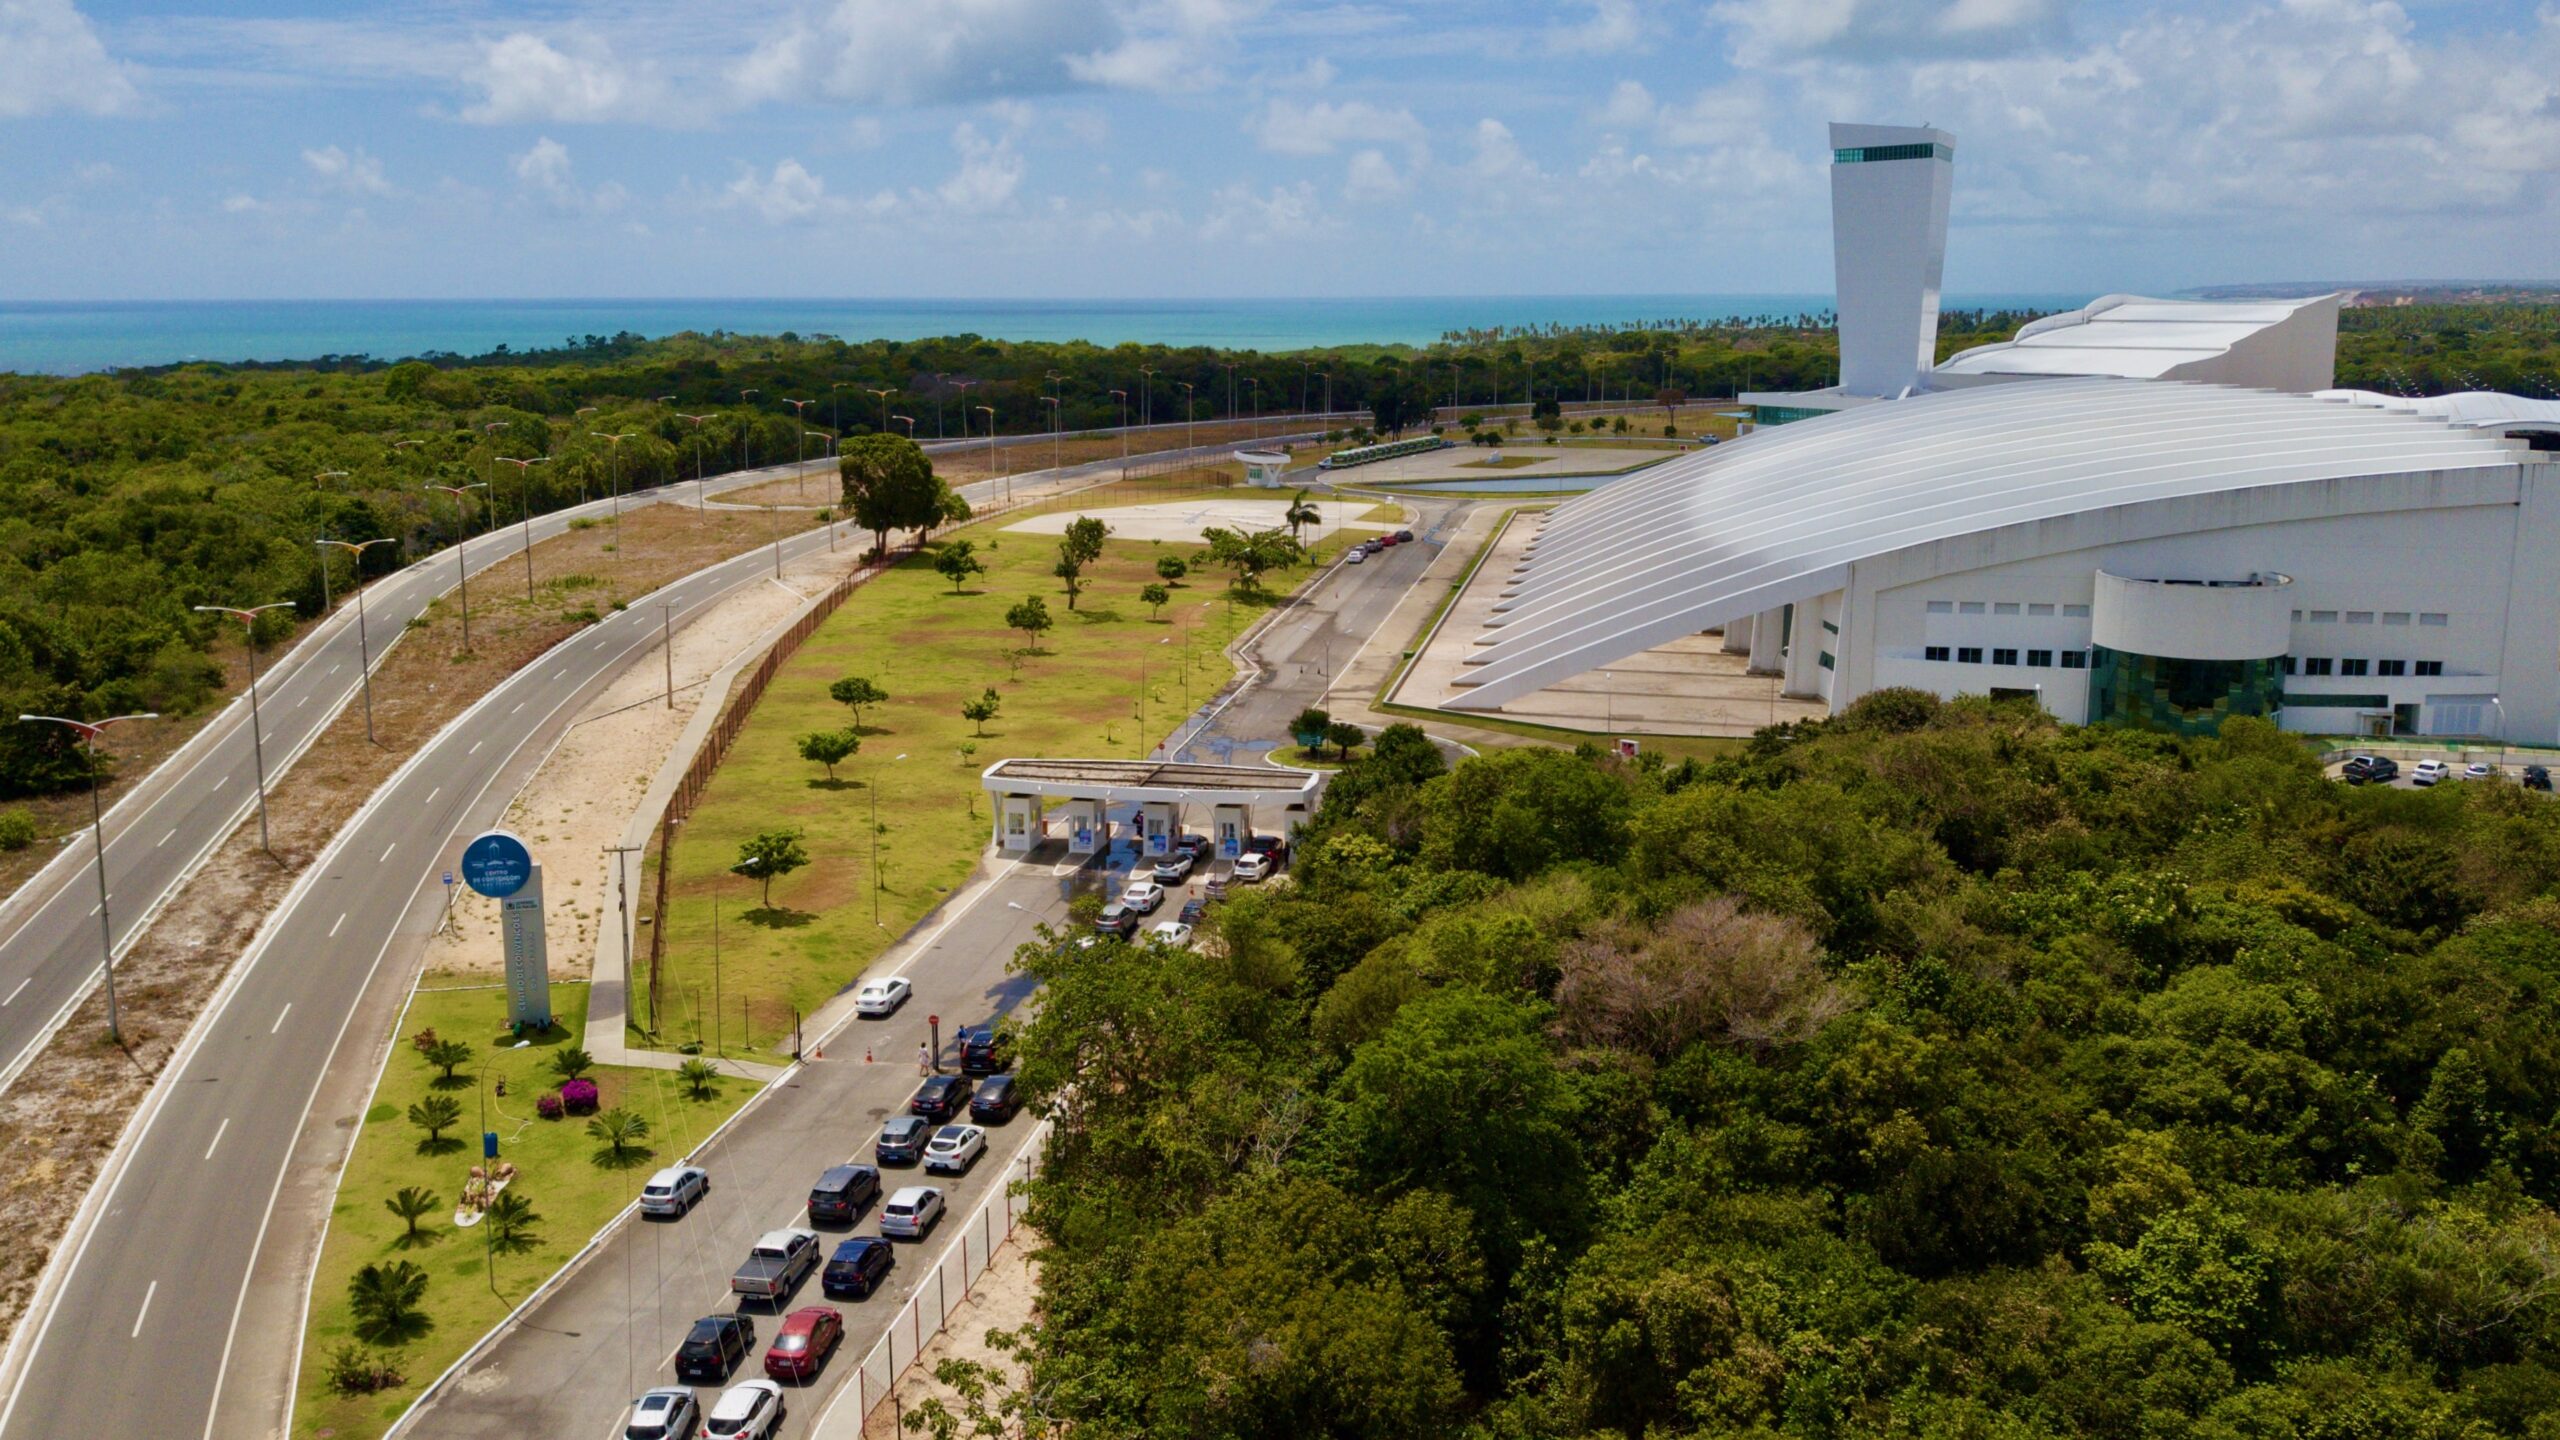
(840, 1195)
(857, 1268)
(939, 1098)
(902, 1139)
(998, 1099)
(2537, 777)
(714, 1347)
(982, 1051)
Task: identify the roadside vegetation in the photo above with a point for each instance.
(1928, 1071)
(400, 1290)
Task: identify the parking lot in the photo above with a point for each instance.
(2456, 772)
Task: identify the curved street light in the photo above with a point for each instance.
(616, 483)
(524, 486)
(364, 645)
(88, 730)
(248, 619)
(462, 513)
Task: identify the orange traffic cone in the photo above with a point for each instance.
(866, 1054)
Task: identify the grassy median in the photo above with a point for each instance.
(561, 1169)
(1077, 693)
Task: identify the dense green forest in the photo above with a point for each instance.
(1933, 1071)
(127, 497)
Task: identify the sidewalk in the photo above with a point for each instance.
(1364, 680)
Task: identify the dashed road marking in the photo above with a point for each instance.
(218, 1132)
(23, 984)
(386, 851)
(342, 915)
(145, 1311)
(287, 1010)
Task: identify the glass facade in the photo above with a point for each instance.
(1861, 155)
(1785, 414)
(2181, 697)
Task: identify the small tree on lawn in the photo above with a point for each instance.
(1031, 617)
(1250, 554)
(1619, 425)
(448, 1056)
(1309, 727)
(621, 1131)
(829, 748)
(957, 562)
(571, 1063)
(855, 691)
(1157, 597)
(1670, 398)
(385, 1299)
(1171, 568)
(435, 1115)
(412, 1204)
(981, 710)
(699, 1076)
(1345, 735)
(1078, 548)
(510, 1219)
(1300, 513)
(771, 854)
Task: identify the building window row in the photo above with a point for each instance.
(2388, 669)
(2436, 618)
(2003, 655)
(2029, 608)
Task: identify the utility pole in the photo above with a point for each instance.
(667, 646)
(257, 742)
(364, 646)
(622, 905)
(88, 731)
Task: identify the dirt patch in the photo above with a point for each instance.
(1005, 1297)
(62, 1119)
(966, 464)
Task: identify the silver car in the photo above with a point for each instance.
(666, 1413)
(674, 1190)
(911, 1213)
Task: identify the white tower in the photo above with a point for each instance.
(1889, 187)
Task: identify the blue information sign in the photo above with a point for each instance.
(496, 864)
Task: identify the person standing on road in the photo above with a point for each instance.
(924, 1058)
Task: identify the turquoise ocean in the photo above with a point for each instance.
(71, 337)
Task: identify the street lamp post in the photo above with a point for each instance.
(1186, 413)
(1254, 384)
(1146, 394)
(884, 405)
(800, 412)
(364, 646)
(617, 484)
(98, 833)
(1123, 397)
(462, 573)
(964, 387)
(744, 428)
(700, 509)
(909, 421)
(524, 492)
(991, 451)
(257, 742)
(826, 449)
(1054, 411)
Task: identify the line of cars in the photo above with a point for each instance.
(1260, 857)
(781, 1261)
(2382, 770)
(1360, 553)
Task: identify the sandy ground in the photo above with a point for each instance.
(1184, 519)
(1471, 462)
(582, 798)
(1004, 1298)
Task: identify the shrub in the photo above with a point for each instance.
(17, 830)
(550, 1106)
(579, 1097)
(571, 1063)
(354, 1370)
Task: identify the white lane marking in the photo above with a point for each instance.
(560, 674)
(218, 1132)
(145, 1311)
(93, 912)
(386, 851)
(165, 839)
(432, 794)
(305, 700)
(342, 915)
(519, 706)
(474, 750)
(287, 1010)
(334, 669)
(23, 984)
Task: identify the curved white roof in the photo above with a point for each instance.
(1779, 515)
(2470, 409)
(2127, 335)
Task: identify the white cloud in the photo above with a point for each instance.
(989, 173)
(545, 172)
(1774, 31)
(931, 52)
(1499, 159)
(1613, 26)
(244, 205)
(524, 77)
(788, 195)
(1282, 212)
(52, 60)
(354, 172)
(1630, 105)
(1372, 178)
(1286, 127)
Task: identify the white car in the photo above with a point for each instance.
(1253, 867)
(2429, 772)
(1143, 896)
(911, 1213)
(1171, 933)
(954, 1149)
(674, 1190)
(877, 998)
(748, 1410)
(2478, 771)
(666, 1413)
(1357, 556)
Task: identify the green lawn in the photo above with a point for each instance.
(931, 650)
(557, 1170)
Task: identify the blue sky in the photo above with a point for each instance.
(1087, 148)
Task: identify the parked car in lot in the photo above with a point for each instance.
(674, 1190)
(1171, 933)
(807, 1337)
(911, 1213)
(713, 1347)
(2384, 770)
(841, 1194)
(982, 1051)
(780, 1260)
(902, 1140)
(2477, 771)
(1253, 867)
(2357, 770)
(748, 1410)
(1215, 887)
(878, 998)
(2537, 777)
(859, 1267)
(954, 1150)
(666, 1413)
(999, 1099)
(1173, 869)
(1194, 910)
(1143, 896)
(1117, 919)
(1195, 846)
(939, 1098)
(1271, 845)
(2429, 772)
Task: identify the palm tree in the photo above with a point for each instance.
(447, 1055)
(510, 1219)
(409, 1205)
(386, 1299)
(571, 1063)
(435, 1115)
(1302, 512)
(621, 1130)
(700, 1076)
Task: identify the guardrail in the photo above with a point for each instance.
(928, 1312)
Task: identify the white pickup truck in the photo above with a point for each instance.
(780, 1260)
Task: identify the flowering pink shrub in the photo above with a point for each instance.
(549, 1106)
(579, 1096)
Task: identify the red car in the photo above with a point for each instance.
(807, 1337)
